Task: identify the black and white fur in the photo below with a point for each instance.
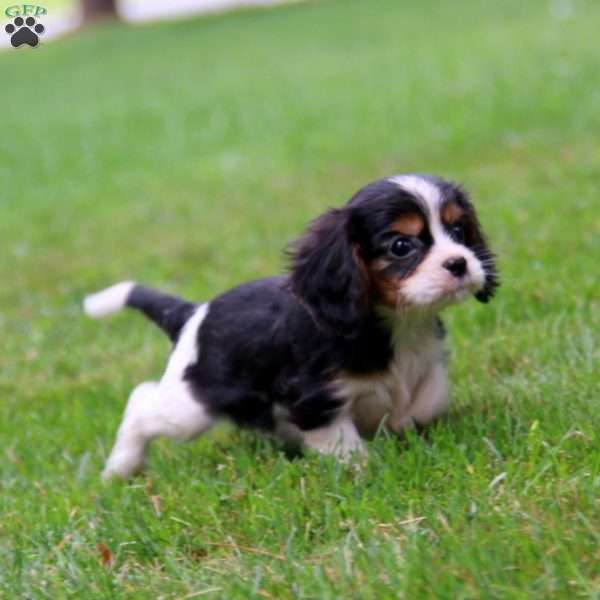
(349, 339)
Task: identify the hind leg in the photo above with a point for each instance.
(153, 410)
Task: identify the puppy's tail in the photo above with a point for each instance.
(168, 312)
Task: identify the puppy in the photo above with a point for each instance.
(349, 339)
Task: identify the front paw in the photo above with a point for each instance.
(340, 439)
(401, 425)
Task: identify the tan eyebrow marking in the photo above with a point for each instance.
(451, 212)
(409, 224)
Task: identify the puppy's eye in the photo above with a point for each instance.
(402, 247)
(457, 231)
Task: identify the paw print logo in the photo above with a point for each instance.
(24, 31)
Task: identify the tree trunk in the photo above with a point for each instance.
(94, 10)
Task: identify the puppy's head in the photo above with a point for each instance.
(407, 243)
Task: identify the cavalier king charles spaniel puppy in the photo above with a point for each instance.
(349, 341)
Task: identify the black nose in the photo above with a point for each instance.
(456, 265)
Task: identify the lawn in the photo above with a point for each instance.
(186, 155)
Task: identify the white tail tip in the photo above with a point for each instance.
(108, 301)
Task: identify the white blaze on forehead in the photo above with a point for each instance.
(420, 187)
(430, 194)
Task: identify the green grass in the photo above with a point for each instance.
(186, 155)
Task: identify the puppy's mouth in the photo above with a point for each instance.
(459, 289)
(467, 283)
(437, 297)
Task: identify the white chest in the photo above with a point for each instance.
(397, 392)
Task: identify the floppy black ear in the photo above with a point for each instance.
(476, 240)
(327, 273)
(481, 250)
(492, 281)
